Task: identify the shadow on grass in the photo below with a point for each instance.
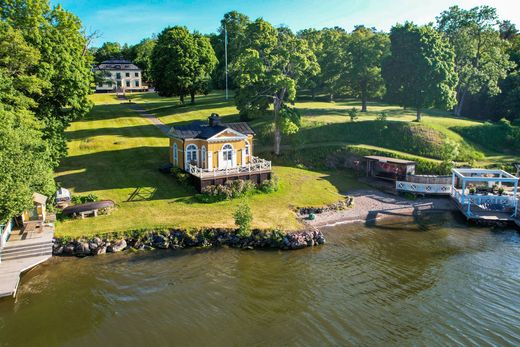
(135, 169)
(131, 131)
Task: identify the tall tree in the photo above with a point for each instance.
(65, 66)
(420, 71)
(107, 51)
(23, 153)
(269, 72)
(235, 23)
(480, 54)
(182, 63)
(366, 51)
(143, 57)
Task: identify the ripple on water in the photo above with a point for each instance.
(433, 282)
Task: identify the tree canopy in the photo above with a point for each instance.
(24, 155)
(269, 71)
(420, 72)
(64, 66)
(182, 63)
(366, 50)
(480, 53)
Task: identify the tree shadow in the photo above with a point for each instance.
(149, 130)
(135, 169)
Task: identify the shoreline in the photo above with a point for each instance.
(372, 204)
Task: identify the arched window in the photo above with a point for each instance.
(248, 148)
(175, 154)
(191, 154)
(227, 155)
(203, 156)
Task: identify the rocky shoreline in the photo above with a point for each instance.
(179, 239)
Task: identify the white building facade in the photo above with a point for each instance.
(119, 76)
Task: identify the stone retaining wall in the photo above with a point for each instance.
(178, 239)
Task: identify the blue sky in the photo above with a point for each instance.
(129, 21)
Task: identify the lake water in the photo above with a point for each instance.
(431, 281)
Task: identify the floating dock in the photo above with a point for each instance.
(23, 251)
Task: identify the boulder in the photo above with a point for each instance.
(160, 241)
(82, 249)
(68, 249)
(100, 250)
(117, 246)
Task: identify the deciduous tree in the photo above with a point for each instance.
(480, 53)
(420, 71)
(366, 50)
(269, 70)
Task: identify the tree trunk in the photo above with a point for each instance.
(363, 102)
(277, 103)
(313, 93)
(192, 95)
(182, 98)
(418, 114)
(331, 97)
(460, 104)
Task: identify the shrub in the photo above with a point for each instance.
(353, 114)
(181, 176)
(243, 218)
(82, 199)
(269, 186)
(382, 116)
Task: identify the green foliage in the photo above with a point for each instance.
(270, 186)
(366, 49)
(236, 24)
(64, 66)
(182, 63)
(24, 156)
(143, 57)
(481, 57)
(290, 120)
(82, 199)
(420, 72)
(501, 136)
(382, 116)
(243, 218)
(107, 51)
(231, 190)
(269, 70)
(353, 114)
(181, 176)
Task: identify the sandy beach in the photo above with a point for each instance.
(374, 204)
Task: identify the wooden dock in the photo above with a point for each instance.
(24, 250)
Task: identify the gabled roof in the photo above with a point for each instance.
(39, 198)
(200, 130)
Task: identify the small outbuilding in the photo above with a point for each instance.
(387, 168)
(38, 211)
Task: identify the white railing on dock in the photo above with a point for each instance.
(256, 165)
(423, 188)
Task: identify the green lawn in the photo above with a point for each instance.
(114, 153)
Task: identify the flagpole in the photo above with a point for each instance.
(225, 58)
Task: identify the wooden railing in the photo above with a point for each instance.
(256, 165)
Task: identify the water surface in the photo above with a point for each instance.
(431, 281)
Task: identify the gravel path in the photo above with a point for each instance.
(373, 204)
(154, 120)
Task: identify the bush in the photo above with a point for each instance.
(82, 199)
(382, 116)
(181, 176)
(243, 218)
(353, 114)
(269, 186)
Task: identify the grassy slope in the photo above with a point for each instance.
(114, 152)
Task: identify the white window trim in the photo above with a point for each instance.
(203, 153)
(196, 151)
(175, 154)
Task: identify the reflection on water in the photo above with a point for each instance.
(432, 281)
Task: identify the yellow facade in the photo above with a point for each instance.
(212, 150)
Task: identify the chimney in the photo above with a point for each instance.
(214, 120)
